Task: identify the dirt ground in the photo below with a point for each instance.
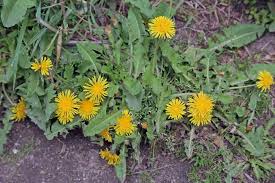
(31, 158)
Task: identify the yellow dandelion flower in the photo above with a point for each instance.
(200, 109)
(175, 109)
(162, 27)
(67, 105)
(111, 158)
(265, 80)
(96, 88)
(124, 125)
(105, 134)
(88, 109)
(19, 111)
(36, 66)
(46, 65)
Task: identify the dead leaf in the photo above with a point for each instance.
(108, 29)
(218, 141)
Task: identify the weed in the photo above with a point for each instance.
(146, 178)
(207, 165)
(18, 154)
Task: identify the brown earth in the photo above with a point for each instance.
(31, 158)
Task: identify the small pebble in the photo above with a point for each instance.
(15, 151)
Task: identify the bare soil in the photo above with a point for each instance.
(31, 158)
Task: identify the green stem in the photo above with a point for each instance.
(51, 43)
(179, 4)
(131, 60)
(170, 7)
(219, 84)
(181, 95)
(207, 73)
(240, 87)
(189, 152)
(6, 95)
(165, 123)
(186, 77)
(154, 61)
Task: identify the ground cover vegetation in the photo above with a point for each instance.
(112, 69)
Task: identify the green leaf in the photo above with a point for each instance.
(147, 75)
(136, 146)
(169, 52)
(49, 110)
(172, 55)
(68, 73)
(240, 111)
(271, 6)
(134, 30)
(40, 111)
(192, 55)
(59, 129)
(7, 124)
(253, 101)
(236, 36)
(256, 68)
(132, 85)
(143, 5)
(98, 125)
(121, 167)
(138, 59)
(50, 93)
(118, 140)
(24, 61)
(86, 51)
(150, 130)
(36, 112)
(253, 142)
(256, 169)
(12, 68)
(84, 67)
(14, 11)
(117, 51)
(225, 99)
(269, 125)
(233, 170)
(271, 27)
(113, 89)
(134, 102)
(156, 85)
(32, 83)
(188, 144)
(163, 9)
